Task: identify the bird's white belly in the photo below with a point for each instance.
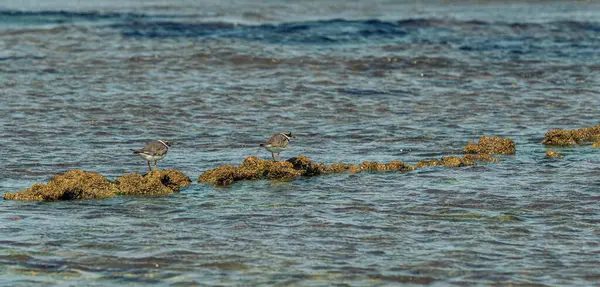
(151, 158)
(275, 149)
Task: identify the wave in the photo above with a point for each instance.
(326, 31)
(465, 34)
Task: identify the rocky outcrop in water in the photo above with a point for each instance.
(74, 184)
(551, 153)
(156, 182)
(562, 137)
(79, 184)
(447, 161)
(254, 168)
(484, 157)
(491, 145)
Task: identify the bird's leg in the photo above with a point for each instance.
(278, 157)
(155, 165)
(273, 156)
(149, 168)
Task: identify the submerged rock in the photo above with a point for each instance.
(155, 182)
(551, 153)
(255, 168)
(74, 184)
(480, 157)
(572, 137)
(283, 171)
(391, 166)
(491, 145)
(79, 184)
(447, 161)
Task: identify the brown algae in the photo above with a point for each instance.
(79, 184)
(491, 145)
(562, 137)
(254, 168)
(551, 153)
(484, 157)
(74, 184)
(155, 182)
(447, 161)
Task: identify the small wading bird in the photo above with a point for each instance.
(154, 151)
(278, 143)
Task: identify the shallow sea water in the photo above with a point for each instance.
(83, 83)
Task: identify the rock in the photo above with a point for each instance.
(447, 161)
(491, 145)
(255, 168)
(221, 176)
(391, 166)
(372, 166)
(79, 184)
(74, 184)
(562, 137)
(283, 170)
(551, 153)
(480, 157)
(154, 183)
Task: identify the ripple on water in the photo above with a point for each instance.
(82, 88)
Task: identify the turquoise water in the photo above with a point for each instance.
(373, 81)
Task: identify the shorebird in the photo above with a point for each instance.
(154, 151)
(278, 143)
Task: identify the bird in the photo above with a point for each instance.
(154, 151)
(278, 143)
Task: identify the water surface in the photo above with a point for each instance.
(83, 84)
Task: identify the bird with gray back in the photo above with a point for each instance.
(154, 151)
(278, 143)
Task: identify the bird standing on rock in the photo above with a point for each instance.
(154, 151)
(278, 143)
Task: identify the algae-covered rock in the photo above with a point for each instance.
(596, 145)
(480, 157)
(255, 168)
(74, 184)
(174, 179)
(551, 153)
(372, 166)
(221, 176)
(354, 169)
(398, 166)
(447, 161)
(491, 145)
(307, 166)
(78, 184)
(154, 183)
(391, 166)
(283, 170)
(571, 137)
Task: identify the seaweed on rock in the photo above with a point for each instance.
(491, 145)
(447, 161)
(74, 184)
(486, 157)
(79, 184)
(155, 182)
(255, 168)
(562, 137)
(551, 153)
